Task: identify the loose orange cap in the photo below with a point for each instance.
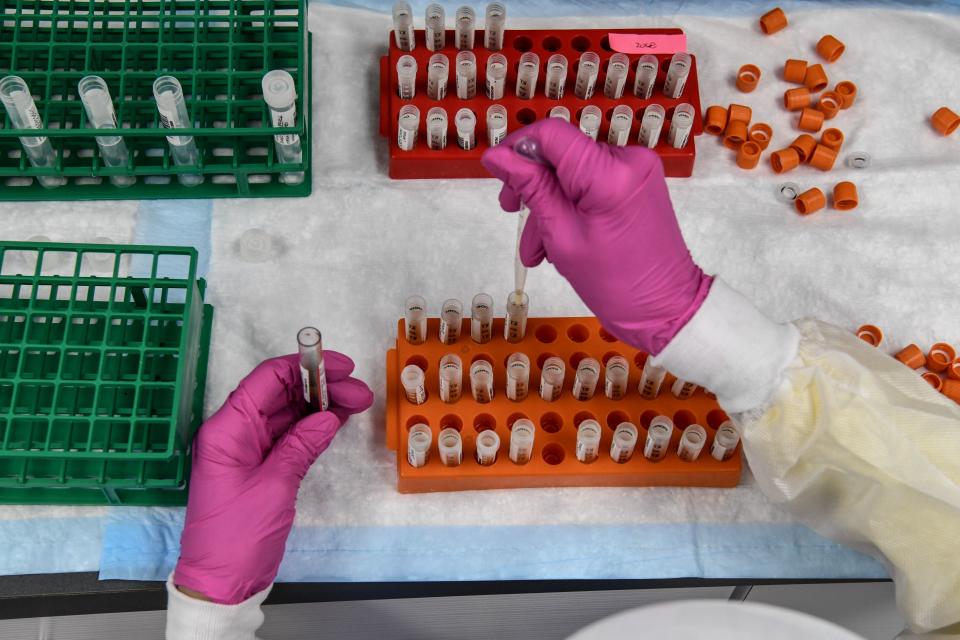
(912, 356)
(871, 334)
(773, 21)
(815, 78)
(823, 158)
(935, 381)
(784, 160)
(847, 92)
(951, 389)
(832, 138)
(748, 155)
(810, 201)
(796, 99)
(940, 357)
(716, 120)
(761, 133)
(845, 196)
(830, 48)
(810, 119)
(795, 71)
(945, 121)
(953, 371)
(735, 135)
(804, 144)
(829, 104)
(747, 77)
(739, 112)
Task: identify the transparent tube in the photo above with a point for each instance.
(481, 381)
(521, 441)
(586, 379)
(451, 378)
(481, 318)
(551, 378)
(651, 380)
(438, 74)
(620, 123)
(465, 26)
(403, 25)
(312, 372)
(527, 75)
(437, 128)
(590, 119)
(407, 77)
(518, 376)
(414, 384)
(496, 80)
(496, 124)
(556, 76)
(408, 124)
(488, 444)
(560, 112)
(683, 389)
(650, 125)
(616, 374)
(681, 125)
(23, 115)
(646, 76)
(624, 442)
(415, 319)
(450, 447)
(588, 441)
(515, 325)
(173, 115)
(466, 75)
(691, 443)
(677, 75)
(494, 25)
(435, 28)
(587, 73)
(280, 94)
(658, 438)
(617, 67)
(418, 444)
(725, 442)
(98, 105)
(466, 123)
(451, 317)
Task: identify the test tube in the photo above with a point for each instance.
(650, 380)
(590, 119)
(414, 384)
(617, 67)
(677, 75)
(415, 319)
(408, 123)
(527, 74)
(624, 442)
(435, 28)
(451, 317)
(551, 378)
(481, 318)
(95, 96)
(620, 124)
(481, 381)
(450, 447)
(650, 125)
(496, 124)
(556, 77)
(658, 438)
(407, 77)
(466, 75)
(438, 73)
(494, 24)
(496, 76)
(646, 76)
(588, 441)
(680, 126)
(585, 381)
(725, 442)
(173, 115)
(521, 441)
(691, 443)
(518, 376)
(403, 25)
(560, 112)
(280, 94)
(683, 389)
(515, 325)
(312, 372)
(466, 123)
(418, 444)
(451, 378)
(616, 374)
(465, 26)
(437, 128)
(23, 115)
(488, 444)
(587, 73)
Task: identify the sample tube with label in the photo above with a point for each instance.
(680, 126)
(496, 124)
(658, 438)
(494, 25)
(173, 115)
(515, 325)
(481, 318)
(403, 25)
(551, 378)
(488, 444)
(521, 441)
(646, 76)
(415, 319)
(312, 373)
(560, 112)
(408, 124)
(23, 114)
(518, 376)
(620, 123)
(616, 374)
(466, 123)
(725, 442)
(407, 77)
(435, 29)
(451, 378)
(437, 128)
(527, 74)
(617, 67)
(650, 380)
(466, 75)
(496, 80)
(624, 442)
(414, 384)
(691, 443)
(450, 447)
(683, 389)
(677, 75)
(438, 74)
(97, 104)
(481, 381)
(650, 125)
(590, 119)
(586, 379)
(280, 94)
(451, 317)
(418, 444)
(588, 441)
(465, 27)
(556, 76)
(587, 72)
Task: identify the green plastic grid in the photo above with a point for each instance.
(218, 49)
(102, 371)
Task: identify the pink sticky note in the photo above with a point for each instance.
(648, 42)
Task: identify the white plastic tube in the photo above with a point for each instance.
(435, 28)
(415, 319)
(494, 25)
(450, 447)
(556, 76)
(438, 75)
(481, 318)
(677, 74)
(521, 441)
(98, 105)
(173, 115)
(560, 112)
(620, 123)
(465, 26)
(414, 384)
(24, 116)
(437, 128)
(650, 125)
(481, 381)
(496, 80)
(658, 438)
(681, 125)
(515, 324)
(312, 372)
(518, 376)
(527, 74)
(403, 25)
(451, 378)
(587, 73)
(419, 441)
(651, 380)
(466, 75)
(725, 442)
(466, 123)
(551, 378)
(588, 441)
(408, 125)
(451, 317)
(590, 119)
(406, 77)
(683, 389)
(617, 67)
(280, 94)
(586, 379)
(624, 442)
(616, 375)
(646, 76)
(691, 443)
(488, 444)
(496, 124)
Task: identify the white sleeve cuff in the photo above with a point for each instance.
(732, 349)
(192, 619)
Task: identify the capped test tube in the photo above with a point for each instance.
(407, 77)
(658, 438)
(403, 25)
(466, 123)
(587, 73)
(437, 128)
(515, 325)
(677, 75)
(494, 25)
(527, 74)
(646, 76)
(438, 74)
(683, 389)
(488, 444)
(414, 384)
(560, 112)
(280, 94)
(617, 67)
(23, 115)
(95, 96)
(518, 376)
(588, 441)
(451, 317)
(521, 441)
(590, 118)
(680, 126)
(585, 381)
(415, 319)
(451, 378)
(435, 29)
(408, 124)
(450, 447)
(466, 75)
(481, 318)
(616, 374)
(418, 444)
(650, 125)
(496, 124)
(465, 25)
(551, 378)
(496, 76)
(650, 380)
(556, 76)
(312, 371)
(481, 381)
(620, 123)
(691, 443)
(624, 442)
(173, 115)
(725, 442)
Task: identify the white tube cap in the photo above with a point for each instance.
(279, 90)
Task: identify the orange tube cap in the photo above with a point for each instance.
(912, 356)
(804, 144)
(847, 92)
(832, 138)
(823, 158)
(871, 334)
(953, 371)
(760, 133)
(784, 160)
(815, 78)
(951, 389)
(748, 77)
(796, 99)
(739, 112)
(845, 196)
(715, 122)
(829, 104)
(795, 71)
(933, 379)
(810, 119)
(735, 135)
(830, 48)
(748, 155)
(810, 201)
(773, 21)
(945, 121)
(940, 357)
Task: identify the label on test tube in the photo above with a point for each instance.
(481, 318)
(691, 443)
(521, 441)
(683, 389)
(321, 376)
(488, 444)
(646, 77)
(588, 441)
(650, 380)
(658, 438)
(496, 76)
(515, 324)
(617, 373)
(481, 381)
(677, 74)
(624, 442)
(725, 442)
(418, 445)
(451, 378)
(285, 120)
(587, 73)
(496, 124)
(551, 379)
(450, 447)
(451, 317)
(585, 382)
(414, 384)
(518, 377)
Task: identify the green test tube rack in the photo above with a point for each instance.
(219, 50)
(103, 354)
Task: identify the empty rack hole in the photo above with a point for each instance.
(484, 422)
(551, 422)
(412, 420)
(420, 361)
(552, 453)
(614, 418)
(545, 333)
(451, 421)
(578, 333)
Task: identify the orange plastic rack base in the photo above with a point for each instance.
(554, 463)
(454, 162)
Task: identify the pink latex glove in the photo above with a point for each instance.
(602, 216)
(248, 461)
